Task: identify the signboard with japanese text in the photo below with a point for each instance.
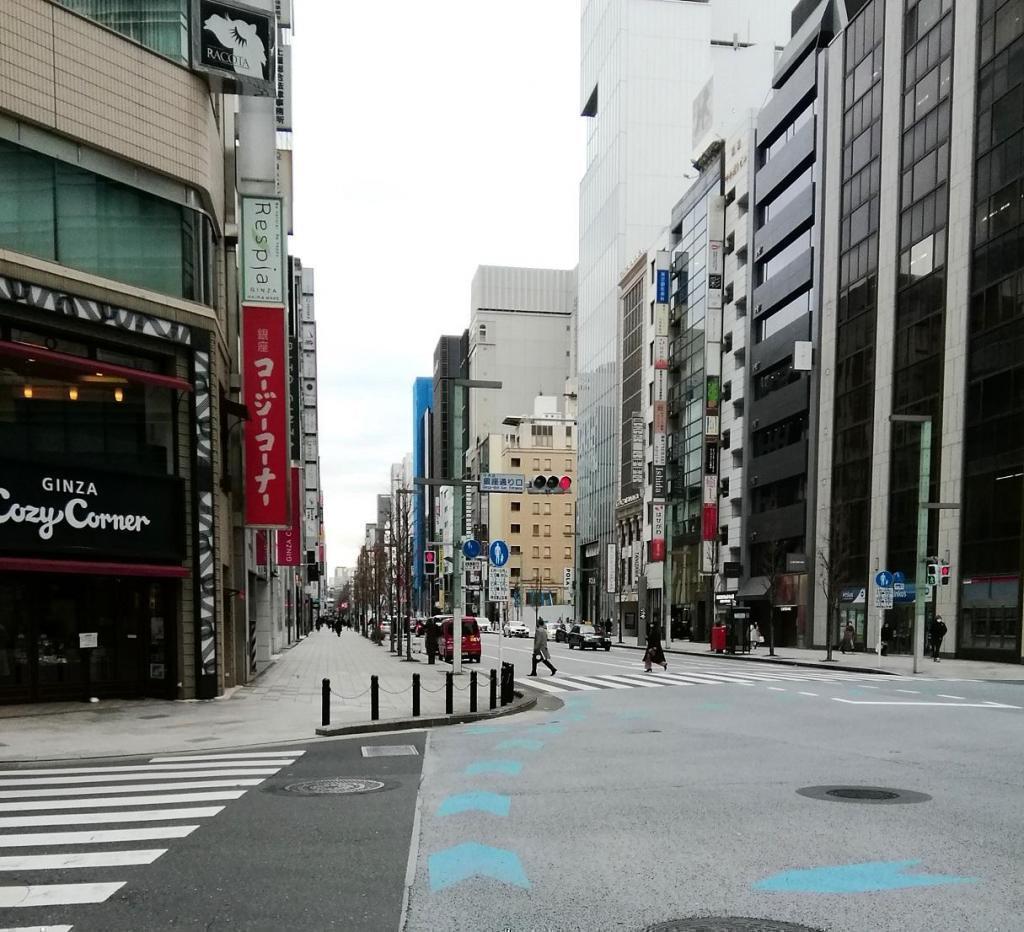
(497, 584)
(289, 541)
(661, 352)
(265, 392)
(512, 483)
(657, 532)
(660, 417)
(660, 444)
(610, 560)
(637, 449)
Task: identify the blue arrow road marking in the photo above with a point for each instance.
(869, 877)
(525, 744)
(510, 767)
(494, 803)
(453, 865)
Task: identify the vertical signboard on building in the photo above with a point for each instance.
(662, 274)
(289, 541)
(712, 388)
(263, 252)
(657, 532)
(637, 449)
(610, 569)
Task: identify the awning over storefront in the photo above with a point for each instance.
(754, 588)
(91, 568)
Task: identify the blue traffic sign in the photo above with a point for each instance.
(471, 549)
(498, 552)
(884, 579)
(898, 576)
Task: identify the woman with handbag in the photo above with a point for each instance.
(654, 653)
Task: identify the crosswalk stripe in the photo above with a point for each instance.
(137, 768)
(632, 682)
(537, 683)
(132, 788)
(98, 818)
(668, 678)
(559, 681)
(254, 755)
(59, 862)
(597, 680)
(113, 778)
(717, 679)
(57, 894)
(39, 839)
(161, 800)
(37, 929)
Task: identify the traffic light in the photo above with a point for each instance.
(933, 574)
(944, 573)
(429, 563)
(545, 484)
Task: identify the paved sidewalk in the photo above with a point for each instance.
(284, 704)
(894, 664)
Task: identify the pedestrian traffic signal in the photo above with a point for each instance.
(933, 574)
(944, 574)
(545, 484)
(429, 563)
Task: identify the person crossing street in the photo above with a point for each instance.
(540, 649)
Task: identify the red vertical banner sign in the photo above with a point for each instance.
(265, 389)
(261, 548)
(289, 542)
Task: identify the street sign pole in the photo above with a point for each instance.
(456, 394)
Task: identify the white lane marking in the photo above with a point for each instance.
(127, 771)
(639, 679)
(536, 683)
(557, 680)
(132, 788)
(913, 692)
(162, 800)
(600, 681)
(777, 689)
(211, 757)
(37, 929)
(942, 705)
(802, 693)
(41, 839)
(57, 894)
(59, 862)
(98, 818)
(113, 778)
(944, 696)
(864, 686)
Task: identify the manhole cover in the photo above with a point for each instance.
(334, 786)
(863, 794)
(729, 924)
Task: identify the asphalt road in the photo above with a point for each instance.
(610, 807)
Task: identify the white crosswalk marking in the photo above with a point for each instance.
(37, 929)
(100, 798)
(690, 674)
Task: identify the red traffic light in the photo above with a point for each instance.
(550, 484)
(429, 563)
(944, 574)
(565, 483)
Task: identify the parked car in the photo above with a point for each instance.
(583, 636)
(516, 629)
(471, 649)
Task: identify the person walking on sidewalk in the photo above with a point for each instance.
(938, 632)
(540, 649)
(654, 652)
(847, 644)
(886, 637)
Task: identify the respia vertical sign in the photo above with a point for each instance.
(263, 251)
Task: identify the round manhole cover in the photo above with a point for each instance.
(863, 794)
(334, 786)
(729, 924)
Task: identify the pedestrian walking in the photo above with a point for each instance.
(540, 650)
(754, 634)
(847, 643)
(654, 653)
(430, 640)
(886, 637)
(938, 633)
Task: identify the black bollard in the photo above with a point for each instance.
(415, 695)
(494, 688)
(325, 700)
(472, 690)
(374, 699)
(449, 693)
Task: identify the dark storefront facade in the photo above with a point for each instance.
(107, 543)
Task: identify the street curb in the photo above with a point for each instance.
(774, 661)
(406, 724)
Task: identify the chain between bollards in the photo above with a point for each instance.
(325, 702)
(415, 695)
(374, 699)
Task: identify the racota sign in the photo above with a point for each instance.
(89, 513)
(236, 43)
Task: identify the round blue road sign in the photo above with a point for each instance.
(884, 579)
(471, 549)
(498, 553)
(898, 577)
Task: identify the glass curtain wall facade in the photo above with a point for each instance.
(160, 25)
(992, 553)
(858, 298)
(59, 212)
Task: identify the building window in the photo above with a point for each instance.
(517, 506)
(568, 508)
(547, 573)
(547, 530)
(536, 464)
(535, 553)
(547, 553)
(516, 550)
(483, 333)
(567, 530)
(515, 461)
(515, 571)
(567, 555)
(547, 508)
(515, 529)
(568, 465)
(536, 508)
(536, 530)
(160, 25)
(543, 435)
(57, 211)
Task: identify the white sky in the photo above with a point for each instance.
(430, 138)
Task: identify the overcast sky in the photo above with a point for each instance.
(430, 138)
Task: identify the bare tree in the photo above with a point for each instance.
(831, 572)
(773, 564)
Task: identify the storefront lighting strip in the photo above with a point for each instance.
(91, 568)
(82, 364)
